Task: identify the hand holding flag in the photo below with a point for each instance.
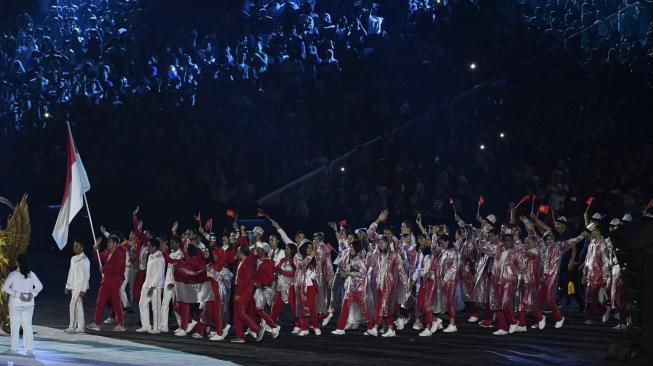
(522, 200)
(481, 201)
(589, 202)
(231, 213)
(198, 217)
(262, 213)
(452, 205)
(208, 225)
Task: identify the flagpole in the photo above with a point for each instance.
(90, 220)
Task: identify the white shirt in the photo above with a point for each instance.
(277, 255)
(154, 277)
(79, 273)
(16, 284)
(170, 277)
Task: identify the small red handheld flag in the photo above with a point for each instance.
(650, 203)
(524, 199)
(231, 213)
(197, 217)
(511, 206)
(330, 248)
(544, 209)
(589, 201)
(208, 225)
(481, 200)
(343, 222)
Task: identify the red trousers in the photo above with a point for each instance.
(109, 292)
(593, 296)
(242, 313)
(278, 305)
(503, 315)
(311, 294)
(359, 298)
(423, 302)
(449, 289)
(555, 311)
(139, 278)
(389, 319)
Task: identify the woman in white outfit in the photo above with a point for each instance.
(22, 286)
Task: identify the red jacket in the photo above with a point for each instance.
(141, 239)
(264, 272)
(278, 268)
(245, 276)
(113, 268)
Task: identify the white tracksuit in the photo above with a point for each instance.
(154, 279)
(169, 293)
(77, 282)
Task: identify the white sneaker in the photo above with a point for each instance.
(142, 330)
(303, 333)
(326, 320)
(560, 322)
(435, 325)
(79, 330)
(275, 331)
(217, 337)
(389, 333)
(69, 330)
(606, 316)
(620, 327)
(338, 332)
(251, 333)
(260, 334)
(500, 332)
(472, 319)
(450, 328)
(196, 336)
(237, 340)
(372, 332)
(418, 325)
(163, 330)
(400, 323)
(426, 333)
(295, 330)
(180, 333)
(512, 328)
(118, 328)
(521, 329)
(154, 331)
(317, 331)
(191, 326)
(542, 323)
(109, 321)
(589, 322)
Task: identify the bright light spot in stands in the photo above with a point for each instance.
(438, 1)
(342, 168)
(46, 115)
(482, 147)
(502, 135)
(472, 66)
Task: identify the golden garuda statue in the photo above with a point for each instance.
(14, 240)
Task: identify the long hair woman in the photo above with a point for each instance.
(22, 286)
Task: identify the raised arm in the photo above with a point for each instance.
(284, 237)
(540, 224)
(371, 232)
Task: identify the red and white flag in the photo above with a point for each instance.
(73, 198)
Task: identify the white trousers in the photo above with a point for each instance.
(76, 311)
(168, 296)
(21, 316)
(155, 300)
(124, 300)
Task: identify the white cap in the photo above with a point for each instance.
(561, 219)
(492, 219)
(264, 246)
(591, 226)
(627, 218)
(259, 230)
(615, 222)
(597, 216)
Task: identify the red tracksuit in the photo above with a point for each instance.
(113, 270)
(244, 296)
(285, 288)
(264, 275)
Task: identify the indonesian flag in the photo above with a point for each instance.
(231, 213)
(589, 201)
(73, 197)
(481, 200)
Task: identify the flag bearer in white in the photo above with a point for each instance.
(152, 286)
(77, 285)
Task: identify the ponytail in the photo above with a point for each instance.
(23, 266)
